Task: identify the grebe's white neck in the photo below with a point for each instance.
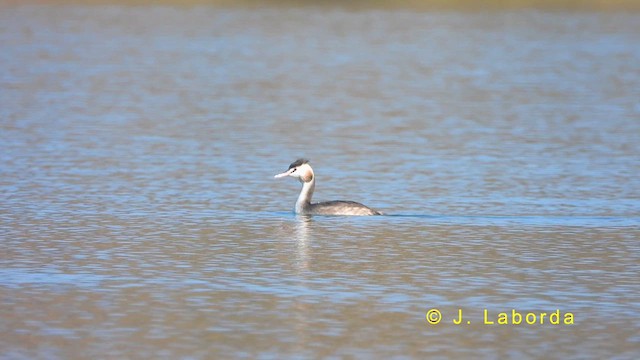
(304, 199)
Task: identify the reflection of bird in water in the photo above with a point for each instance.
(301, 170)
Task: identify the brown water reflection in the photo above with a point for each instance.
(139, 217)
(361, 288)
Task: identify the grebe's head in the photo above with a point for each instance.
(299, 169)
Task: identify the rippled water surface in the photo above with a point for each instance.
(139, 217)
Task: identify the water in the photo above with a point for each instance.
(140, 218)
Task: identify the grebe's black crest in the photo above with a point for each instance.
(298, 163)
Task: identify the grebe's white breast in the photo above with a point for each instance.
(301, 170)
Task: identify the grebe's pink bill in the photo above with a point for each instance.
(301, 170)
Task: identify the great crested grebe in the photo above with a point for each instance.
(302, 170)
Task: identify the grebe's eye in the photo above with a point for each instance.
(294, 170)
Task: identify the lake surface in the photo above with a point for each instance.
(139, 217)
